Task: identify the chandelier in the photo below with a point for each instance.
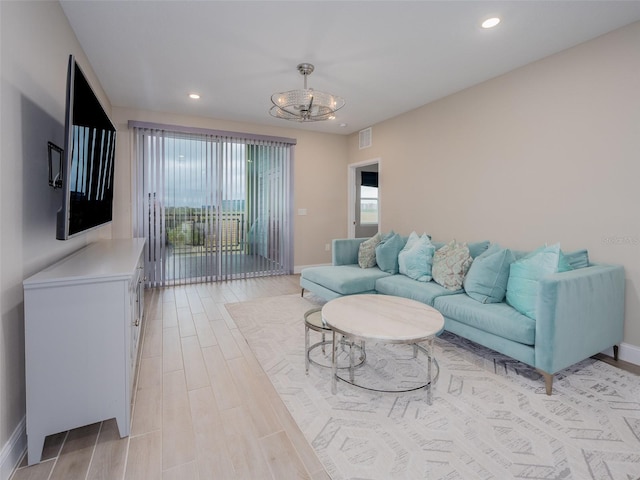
(306, 105)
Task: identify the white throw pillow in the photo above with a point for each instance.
(416, 258)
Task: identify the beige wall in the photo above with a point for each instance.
(320, 184)
(36, 41)
(547, 153)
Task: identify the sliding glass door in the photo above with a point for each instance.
(212, 206)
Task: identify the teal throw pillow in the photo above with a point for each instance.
(416, 258)
(488, 275)
(578, 259)
(524, 275)
(387, 253)
(367, 251)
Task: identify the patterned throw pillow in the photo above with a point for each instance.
(450, 265)
(367, 251)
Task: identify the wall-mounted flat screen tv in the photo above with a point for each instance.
(88, 160)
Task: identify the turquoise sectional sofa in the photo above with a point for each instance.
(579, 312)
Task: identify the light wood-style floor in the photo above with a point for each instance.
(203, 407)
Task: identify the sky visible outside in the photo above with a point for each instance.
(192, 171)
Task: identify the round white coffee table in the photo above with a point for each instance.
(384, 319)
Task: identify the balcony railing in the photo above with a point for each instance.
(193, 231)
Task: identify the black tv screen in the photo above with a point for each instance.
(88, 162)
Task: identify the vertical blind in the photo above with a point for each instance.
(212, 205)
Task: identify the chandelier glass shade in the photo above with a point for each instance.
(306, 105)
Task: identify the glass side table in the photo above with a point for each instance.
(313, 321)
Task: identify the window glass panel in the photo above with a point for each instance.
(368, 192)
(368, 205)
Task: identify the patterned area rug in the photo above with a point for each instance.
(490, 417)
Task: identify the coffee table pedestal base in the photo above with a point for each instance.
(432, 365)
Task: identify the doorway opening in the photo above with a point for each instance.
(364, 214)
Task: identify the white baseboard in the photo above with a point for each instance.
(627, 352)
(13, 450)
(298, 268)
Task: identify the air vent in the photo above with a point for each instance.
(365, 138)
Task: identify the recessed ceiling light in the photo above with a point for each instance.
(195, 96)
(343, 125)
(490, 22)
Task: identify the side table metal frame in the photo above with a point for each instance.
(323, 330)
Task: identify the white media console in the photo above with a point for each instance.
(83, 317)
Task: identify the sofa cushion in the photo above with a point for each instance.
(475, 248)
(577, 259)
(416, 258)
(497, 318)
(524, 275)
(387, 253)
(488, 275)
(402, 286)
(450, 265)
(367, 251)
(344, 279)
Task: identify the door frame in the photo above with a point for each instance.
(351, 195)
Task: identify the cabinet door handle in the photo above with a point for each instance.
(137, 324)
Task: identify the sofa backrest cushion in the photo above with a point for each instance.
(578, 259)
(475, 248)
(344, 251)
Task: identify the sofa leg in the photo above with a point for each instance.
(548, 381)
(302, 292)
(615, 352)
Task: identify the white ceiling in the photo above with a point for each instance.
(383, 57)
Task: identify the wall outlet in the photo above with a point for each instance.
(327, 247)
